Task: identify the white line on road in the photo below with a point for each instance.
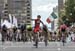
(30, 46)
(59, 49)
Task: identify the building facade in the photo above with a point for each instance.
(60, 5)
(21, 9)
(60, 10)
(3, 9)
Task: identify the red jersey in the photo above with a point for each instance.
(63, 27)
(37, 25)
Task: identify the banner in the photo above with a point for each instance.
(48, 20)
(15, 21)
(10, 18)
(53, 15)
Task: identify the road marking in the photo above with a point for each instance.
(5, 47)
(59, 49)
(30, 46)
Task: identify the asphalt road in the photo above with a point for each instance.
(28, 46)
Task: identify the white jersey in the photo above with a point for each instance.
(73, 36)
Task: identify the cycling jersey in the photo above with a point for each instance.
(37, 25)
(63, 28)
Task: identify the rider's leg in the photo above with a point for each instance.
(36, 39)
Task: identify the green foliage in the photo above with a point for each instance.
(70, 10)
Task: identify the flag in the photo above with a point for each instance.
(1, 22)
(48, 20)
(7, 24)
(15, 21)
(53, 15)
(10, 18)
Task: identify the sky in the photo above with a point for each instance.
(43, 8)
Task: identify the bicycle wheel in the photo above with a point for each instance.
(36, 40)
(46, 43)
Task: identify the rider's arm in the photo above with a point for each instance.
(41, 22)
(32, 19)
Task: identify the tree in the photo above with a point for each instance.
(70, 11)
(62, 16)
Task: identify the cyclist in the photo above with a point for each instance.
(63, 29)
(37, 29)
(45, 32)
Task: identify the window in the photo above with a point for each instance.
(16, 14)
(28, 21)
(6, 4)
(28, 7)
(25, 7)
(15, 0)
(23, 14)
(27, 1)
(5, 11)
(28, 14)
(5, 14)
(28, 17)
(28, 4)
(28, 11)
(17, 5)
(5, 8)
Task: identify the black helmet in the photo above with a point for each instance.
(38, 16)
